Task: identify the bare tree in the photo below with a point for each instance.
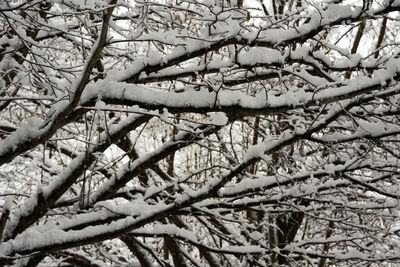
(199, 133)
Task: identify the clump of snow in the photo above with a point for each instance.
(7, 205)
(100, 104)
(219, 118)
(260, 55)
(28, 130)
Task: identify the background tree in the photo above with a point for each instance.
(205, 133)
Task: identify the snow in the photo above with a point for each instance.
(28, 130)
(134, 207)
(256, 151)
(38, 237)
(260, 181)
(260, 55)
(68, 176)
(6, 124)
(151, 96)
(219, 118)
(245, 249)
(168, 229)
(203, 99)
(100, 104)
(365, 129)
(33, 239)
(8, 203)
(204, 48)
(336, 11)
